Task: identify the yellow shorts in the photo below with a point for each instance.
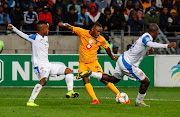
(94, 66)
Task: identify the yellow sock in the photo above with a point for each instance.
(112, 88)
(90, 91)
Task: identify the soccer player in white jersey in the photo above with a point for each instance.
(42, 67)
(128, 63)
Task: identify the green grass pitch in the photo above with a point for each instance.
(165, 102)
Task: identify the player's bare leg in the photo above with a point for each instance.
(69, 82)
(36, 91)
(90, 90)
(142, 92)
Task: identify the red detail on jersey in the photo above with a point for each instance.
(88, 46)
(41, 68)
(141, 74)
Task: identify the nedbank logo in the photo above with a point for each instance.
(175, 72)
(1, 70)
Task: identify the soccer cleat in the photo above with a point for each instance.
(141, 104)
(95, 102)
(128, 102)
(83, 74)
(72, 94)
(31, 103)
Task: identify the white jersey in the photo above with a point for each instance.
(40, 47)
(140, 48)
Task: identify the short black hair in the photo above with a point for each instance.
(97, 24)
(71, 7)
(83, 7)
(42, 22)
(153, 27)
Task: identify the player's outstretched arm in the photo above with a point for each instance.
(21, 34)
(158, 45)
(110, 54)
(66, 25)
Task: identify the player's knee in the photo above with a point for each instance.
(43, 81)
(147, 81)
(115, 80)
(68, 71)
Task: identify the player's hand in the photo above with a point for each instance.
(115, 58)
(151, 51)
(173, 44)
(10, 26)
(61, 24)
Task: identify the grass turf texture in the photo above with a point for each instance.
(165, 102)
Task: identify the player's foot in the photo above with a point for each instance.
(31, 103)
(95, 102)
(141, 104)
(83, 74)
(72, 94)
(128, 102)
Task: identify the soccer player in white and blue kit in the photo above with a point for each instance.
(42, 67)
(128, 63)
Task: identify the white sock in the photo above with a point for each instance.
(69, 81)
(96, 75)
(35, 92)
(140, 97)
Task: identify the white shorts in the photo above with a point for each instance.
(45, 69)
(124, 68)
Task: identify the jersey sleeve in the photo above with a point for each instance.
(146, 39)
(23, 35)
(103, 43)
(157, 45)
(77, 31)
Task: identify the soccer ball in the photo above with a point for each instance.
(122, 98)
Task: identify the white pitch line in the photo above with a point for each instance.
(162, 100)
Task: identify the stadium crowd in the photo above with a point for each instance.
(112, 14)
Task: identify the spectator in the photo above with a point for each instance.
(177, 4)
(135, 24)
(58, 17)
(4, 20)
(77, 7)
(72, 17)
(108, 42)
(174, 22)
(17, 16)
(128, 7)
(153, 3)
(45, 16)
(83, 18)
(163, 22)
(6, 9)
(139, 11)
(168, 4)
(26, 3)
(93, 14)
(115, 49)
(59, 5)
(12, 3)
(1, 46)
(113, 5)
(85, 4)
(30, 19)
(117, 19)
(151, 17)
(145, 4)
(105, 19)
(101, 4)
(43, 3)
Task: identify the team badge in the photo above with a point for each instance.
(88, 46)
(91, 40)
